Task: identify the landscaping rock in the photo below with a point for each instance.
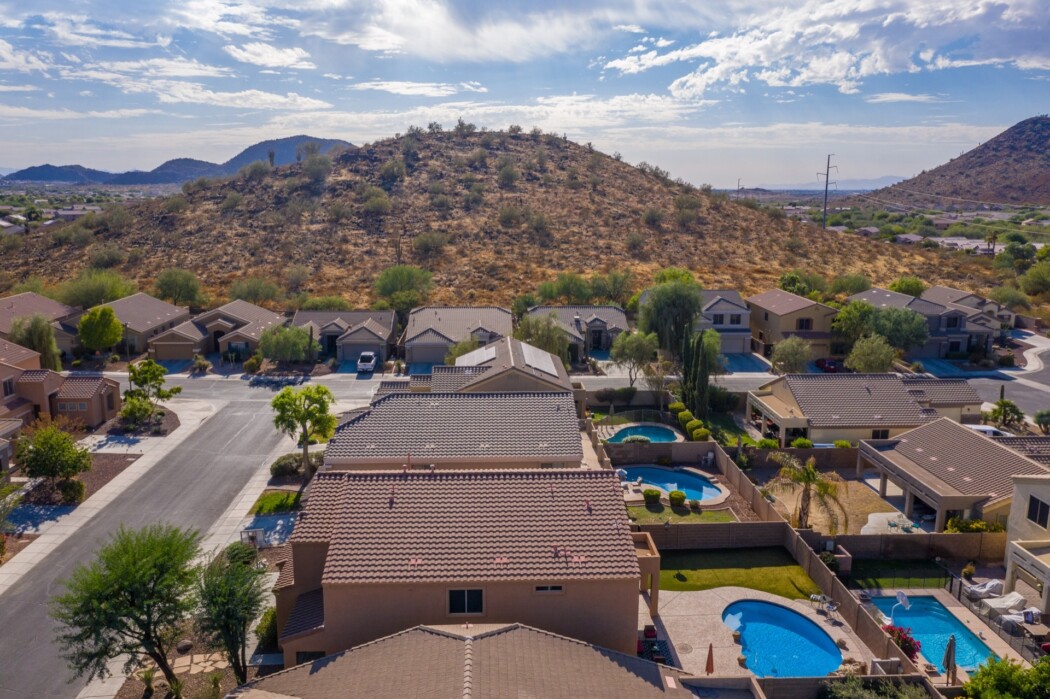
(184, 646)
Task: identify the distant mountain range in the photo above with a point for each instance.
(862, 185)
(174, 171)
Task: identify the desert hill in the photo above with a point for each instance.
(492, 214)
(1012, 168)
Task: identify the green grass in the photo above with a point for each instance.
(726, 431)
(276, 501)
(770, 570)
(658, 514)
(883, 574)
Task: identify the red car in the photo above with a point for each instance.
(830, 366)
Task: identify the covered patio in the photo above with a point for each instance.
(1029, 561)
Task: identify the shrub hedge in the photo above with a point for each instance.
(676, 498)
(651, 495)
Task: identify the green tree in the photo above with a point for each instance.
(1042, 420)
(93, 287)
(674, 274)
(871, 355)
(304, 414)
(903, 328)
(614, 287)
(37, 333)
(670, 311)
(403, 287)
(790, 356)
(1036, 280)
(700, 361)
(1002, 678)
(544, 333)
(230, 595)
(254, 289)
(522, 304)
(573, 288)
(51, 453)
(855, 320)
(849, 284)
(460, 348)
(633, 352)
(325, 303)
(180, 286)
(129, 602)
(1011, 297)
(287, 344)
(1006, 414)
(147, 379)
(912, 286)
(802, 283)
(816, 486)
(99, 329)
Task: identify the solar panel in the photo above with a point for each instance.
(538, 359)
(478, 356)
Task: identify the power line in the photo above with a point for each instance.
(827, 176)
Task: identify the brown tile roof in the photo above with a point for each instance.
(508, 354)
(449, 379)
(437, 427)
(710, 297)
(574, 319)
(81, 387)
(35, 376)
(10, 353)
(481, 661)
(143, 312)
(307, 615)
(780, 302)
(468, 525)
(28, 304)
(856, 400)
(456, 323)
(1035, 448)
(945, 294)
(248, 320)
(965, 461)
(393, 386)
(938, 392)
(884, 298)
(380, 322)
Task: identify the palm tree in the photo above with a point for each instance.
(991, 237)
(815, 485)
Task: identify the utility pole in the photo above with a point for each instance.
(826, 175)
(738, 187)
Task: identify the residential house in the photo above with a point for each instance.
(589, 328)
(825, 408)
(9, 430)
(346, 334)
(868, 231)
(432, 330)
(62, 317)
(1028, 542)
(726, 312)
(908, 239)
(144, 317)
(28, 392)
(777, 315)
(459, 431)
(235, 327)
(374, 553)
(954, 470)
(995, 317)
(19, 356)
(463, 660)
(6, 227)
(951, 333)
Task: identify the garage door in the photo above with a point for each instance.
(736, 344)
(426, 354)
(172, 351)
(350, 351)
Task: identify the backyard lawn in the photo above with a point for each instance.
(876, 574)
(274, 501)
(658, 514)
(768, 569)
(726, 431)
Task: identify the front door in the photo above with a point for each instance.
(596, 339)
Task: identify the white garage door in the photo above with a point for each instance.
(350, 351)
(426, 354)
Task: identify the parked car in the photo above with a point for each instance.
(366, 363)
(990, 431)
(830, 366)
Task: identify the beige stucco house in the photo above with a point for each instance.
(777, 315)
(234, 327)
(346, 334)
(432, 330)
(145, 317)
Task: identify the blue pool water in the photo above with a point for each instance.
(695, 487)
(780, 642)
(931, 625)
(655, 433)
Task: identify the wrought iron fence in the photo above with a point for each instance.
(637, 416)
(1015, 635)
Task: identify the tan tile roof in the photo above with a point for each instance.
(941, 392)
(780, 302)
(437, 427)
(393, 386)
(481, 661)
(10, 353)
(573, 319)
(508, 354)
(143, 312)
(1035, 448)
(380, 323)
(456, 323)
(884, 298)
(307, 615)
(856, 400)
(945, 294)
(35, 376)
(81, 387)
(395, 526)
(27, 304)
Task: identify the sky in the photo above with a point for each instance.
(715, 91)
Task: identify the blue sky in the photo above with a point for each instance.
(712, 91)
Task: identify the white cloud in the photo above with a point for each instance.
(889, 97)
(18, 88)
(419, 89)
(632, 28)
(177, 92)
(260, 54)
(11, 112)
(20, 61)
(178, 67)
(80, 31)
(227, 18)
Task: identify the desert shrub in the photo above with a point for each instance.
(241, 553)
(510, 216)
(339, 211)
(255, 172)
(231, 203)
(685, 217)
(391, 172)
(701, 434)
(961, 525)
(266, 630)
(377, 203)
(253, 363)
(651, 495)
(685, 417)
(676, 498)
(508, 176)
(768, 444)
(255, 289)
(200, 365)
(72, 491)
(636, 439)
(286, 466)
(843, 444)
(106, 256)
(474, 197)
(801, 443)
(693, 425)
(635, 242)
(694, 505)
(135, 411)
(429, 245)
(540, 226)
(828, 559)
(325, 303)
(175, 204)
(1006, 360)
(10, 244)
(653, 217)
(676, 407)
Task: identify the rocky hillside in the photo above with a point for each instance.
(1012, 168)
(491, 214)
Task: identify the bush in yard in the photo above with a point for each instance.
(676, 498)
(636, 439)
(721, 400)
(200, 365)
(694, 505)
(241, 553)
(253, 363)
(652, 496)
(701, 434)
(676, 407)
(961, 525)
(266, 630)
(685, 417)
(828, 559)
(904, 640)
(843, 444)
(51, 453)
(72, 491)
(801, 443)
(692, 426)
(968, 571)
(768, 444)
(135, 411)
(286, 466)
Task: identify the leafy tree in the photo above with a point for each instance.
(230, 594)
(254, 289)
(818, 487)
(147, 383)
(545, 334)
(1042, 420)
(903, 328)
(460, 348)
(99, 329)
(180, 286)
(1036, 280)
(1016, 256)
(849, 284)
(129, 602)
(304, 414)
(287, 344)
(93, 287)
(674, 274)
(634, 351)
(855, 320)
(802, 283)
(325, 303)
(1006, 414)
(871, 355)
(912, 286)
(616, 286)
(51, 453)
(522, 304)
(404, 287)
(573, 288)
(1011, 297)
(1005, 679)
(670, 311)
(790, 356)
(37, 333)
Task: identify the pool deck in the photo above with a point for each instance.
(607, 431)
(691, 620)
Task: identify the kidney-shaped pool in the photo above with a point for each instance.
(780, 642)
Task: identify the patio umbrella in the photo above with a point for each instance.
(949, 660)
(710, 668)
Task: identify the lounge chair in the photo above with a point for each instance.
(1014, 600)
(989, 588)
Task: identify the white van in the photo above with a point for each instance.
(990, 431)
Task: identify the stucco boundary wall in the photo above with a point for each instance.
(826, 459)
(988, 547)
(810, 687)
(676, 452)
(587, 427)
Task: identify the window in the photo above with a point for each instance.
(804, 324)
(1038, 511)
(734, 319)
(954, 347)
(548, 588)
(718, 319)
(765, 315)
(61, 406)
(465, 602)
(82, 407)
(952, 321)
(9, 387)
(880, 434)
(308, 656)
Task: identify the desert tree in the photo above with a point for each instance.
(147, 379)
(36, 333)
(304, 414)
(633, 352)
(815, 486)
(99, 329)
(230, 596)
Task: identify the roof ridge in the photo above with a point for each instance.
(468, 667)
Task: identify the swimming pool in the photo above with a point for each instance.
(780, 642)
(694, 486)
(655, 433)
(931, 625)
